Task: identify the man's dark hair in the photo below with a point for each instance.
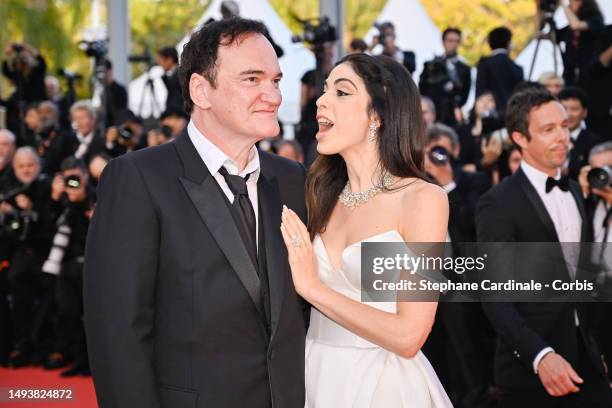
(200, 53)
(72, 162)
(574, 92)
(500, 37)
(359, 44)
(108, 64)
(168, 52)
(450, 30)
(173, 112)
(520, 105)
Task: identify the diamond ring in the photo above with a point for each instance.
(295, 240)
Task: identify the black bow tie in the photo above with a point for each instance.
(562, 183)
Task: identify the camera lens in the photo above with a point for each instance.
(73, 182)
(600, 177)
(439, 156)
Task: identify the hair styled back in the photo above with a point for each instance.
(395, 99)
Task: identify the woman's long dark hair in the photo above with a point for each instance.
(395, 98)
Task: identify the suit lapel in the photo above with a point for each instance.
(207, 197)
(536, 202)
(577, 194)
(269, 198)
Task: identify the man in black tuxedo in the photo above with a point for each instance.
(498, 73)
(188, 294)
(446, 79)
(546, 355)
(167, 58)
(574, 100)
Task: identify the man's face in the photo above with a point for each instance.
(601, 159)
(451, 43)
(553, 85)
(26, 167)
(389, 37)
(47, 113)
(244, 105)
(548, 127)
(576, 113)
(7, 149)
(32, 119)
(429, 116)
(166, 63)
(83, 121)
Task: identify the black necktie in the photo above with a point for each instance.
(562, 183)
(243, 209)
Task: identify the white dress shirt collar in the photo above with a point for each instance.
(214, 157)
(537, 177)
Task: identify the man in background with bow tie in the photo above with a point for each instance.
(546, 355)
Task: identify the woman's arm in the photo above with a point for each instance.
(402, 333)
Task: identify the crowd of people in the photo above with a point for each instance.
(52, 157)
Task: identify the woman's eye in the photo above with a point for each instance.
(341, 93)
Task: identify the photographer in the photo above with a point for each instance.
(83, 119)
(116, 96)
(167, 58)
(127, 136)
(7, 150)
(497, 73)
(579, 37)
(71, 204)
(53, 144)
(447, 80)
(384, 43)
(481, 138)
(595, 181)
(460, 345)
(175, 119)
(24, 216)
(574, 100)
(26, 68)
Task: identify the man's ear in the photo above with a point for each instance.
(199, 89)
(520, 139)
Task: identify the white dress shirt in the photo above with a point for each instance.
(214, 158)
(84, 141)
(563, 210)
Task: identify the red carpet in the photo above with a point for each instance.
(83, 393)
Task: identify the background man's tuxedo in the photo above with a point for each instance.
(579, 154)
(499, 74)
(514, 212)
(174, 310)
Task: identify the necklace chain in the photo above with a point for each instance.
(352, 200)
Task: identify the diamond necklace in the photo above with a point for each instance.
(352, 200)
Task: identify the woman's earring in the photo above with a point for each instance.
(373, 128)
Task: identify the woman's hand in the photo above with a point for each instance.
(302, 260)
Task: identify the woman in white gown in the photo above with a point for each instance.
(366, 185)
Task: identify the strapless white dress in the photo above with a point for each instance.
(344, 370)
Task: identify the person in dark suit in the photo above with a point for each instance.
(546, 355)
(497, 72)
(188, 294)
(167, 58)
(574, 100)
(386, 39)
(447, 80)
(460, 344)
(116, 96)
(83, 117)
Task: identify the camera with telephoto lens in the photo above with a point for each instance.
(97, 49)
(316, 34)
(439, 156)
(73, 182)
(600, 177)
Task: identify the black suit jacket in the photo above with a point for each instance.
(513, 212)
(173, 307)
(579, 155)
(175, 98)
(498, 74)
(462, 204)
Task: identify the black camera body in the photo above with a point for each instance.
(436, 71)
(73, 181)
(316, 34)
(96, 49)
(600, 177)
(125, 133)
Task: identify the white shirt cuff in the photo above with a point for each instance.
(540, 356)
